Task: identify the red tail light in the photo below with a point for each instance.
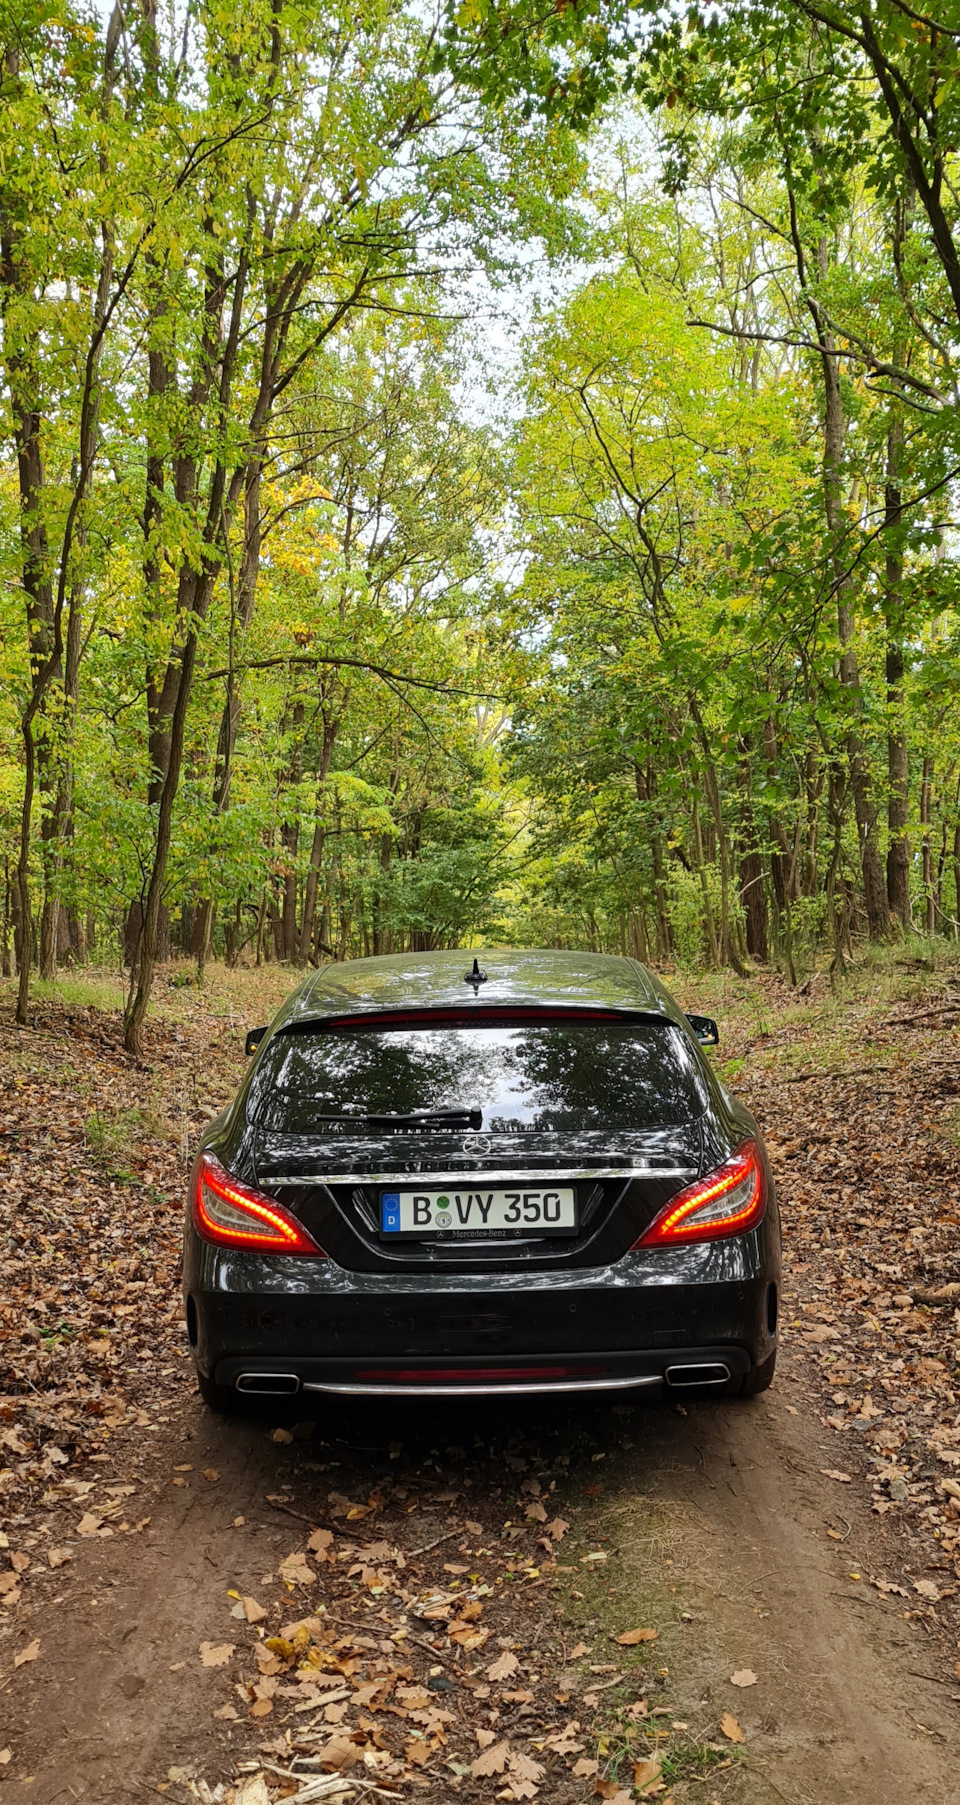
(726, 1202)
(232, 1214)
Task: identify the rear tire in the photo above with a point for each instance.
(224, 1398)
(761, 1378)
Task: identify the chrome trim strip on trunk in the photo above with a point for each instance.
(470, 1175)
(487, 1390)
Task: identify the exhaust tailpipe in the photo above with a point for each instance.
(263, 1385)
(712, 1372)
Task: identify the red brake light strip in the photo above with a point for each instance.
(677, 1223)
(272, 1229)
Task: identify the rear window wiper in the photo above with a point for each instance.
(463, 1118)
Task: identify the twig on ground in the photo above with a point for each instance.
(414, 1552)
(289, 1511)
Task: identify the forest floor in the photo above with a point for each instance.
(743, 1602)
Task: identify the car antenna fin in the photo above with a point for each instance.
(476, 977)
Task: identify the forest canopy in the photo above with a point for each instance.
(483, 475)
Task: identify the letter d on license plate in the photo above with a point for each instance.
(479, 1212)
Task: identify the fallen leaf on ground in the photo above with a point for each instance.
(214, 1654)
(319, 1543)
(523, 1767)
(252, 1792)
(743, 1677)
(581, 1649)
(557, 1529)
(485, 1737)
(5, 1756)
(58, 1557)
(731, 1729)
(253, 1612)
(927, 1589)
(211, 1474)
(89, 1524)
(644, 1772)
(29, 1653)
(630, 1638)
(492, 1761)
(831, 1473)
(296, 1571)
(338, 1753)
(281, 1436)
(585, 1767)
(503, 1667)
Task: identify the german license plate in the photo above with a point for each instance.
(479, 1213)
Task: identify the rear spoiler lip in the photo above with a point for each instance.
(466, 1015)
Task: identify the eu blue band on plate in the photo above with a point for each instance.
(390, 1212)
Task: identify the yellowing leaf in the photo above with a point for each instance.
(630, 1638)
(731, 1729)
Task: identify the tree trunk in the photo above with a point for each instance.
(926, 817)
(331, 726)
(710, 931)
(874, 887)
(753, 899)
(136, 1011)
(898, 775)
(956, 881)
(645, 783)
(834, 435)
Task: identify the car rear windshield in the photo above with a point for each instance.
(549, 1077)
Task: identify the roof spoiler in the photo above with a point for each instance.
(469, 1013)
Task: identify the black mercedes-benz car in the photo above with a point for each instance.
(453, 1175)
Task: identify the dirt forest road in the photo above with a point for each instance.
(561, 1601)
(713, 1528)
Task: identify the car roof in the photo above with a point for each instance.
(523, 978)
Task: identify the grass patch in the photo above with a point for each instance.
(94, 990)
(117, 1137)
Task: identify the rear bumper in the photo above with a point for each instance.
(706, 1368)
(316, 1327)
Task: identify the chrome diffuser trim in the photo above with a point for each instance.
(486, 1390)
(473, 1176)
